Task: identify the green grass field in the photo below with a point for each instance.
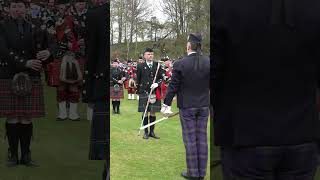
(60, 148)
(133, 158)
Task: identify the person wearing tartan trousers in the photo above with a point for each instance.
(96, 87)
(190, 81)
(25, 59)
(146, 73)
(117, 77)
(265, 79)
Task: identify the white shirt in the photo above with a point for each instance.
(193, 52)
(149, 63)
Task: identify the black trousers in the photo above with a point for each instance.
(298, 162)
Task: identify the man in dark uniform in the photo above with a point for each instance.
(190, 81)
(116, 86)
(266, 73)
(96, 88)
(146, 73)
(21, 60)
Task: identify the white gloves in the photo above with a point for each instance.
(154, 85)
(166, 110)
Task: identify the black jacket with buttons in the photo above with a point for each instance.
(16, 48)
(116, 75)
(96, 77)
(145, 77)
(266, 72)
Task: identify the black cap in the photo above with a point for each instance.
(195, 38)
(147, 50)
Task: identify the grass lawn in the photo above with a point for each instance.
(133, 158)
(60, 148)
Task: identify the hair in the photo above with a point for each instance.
(195, 46)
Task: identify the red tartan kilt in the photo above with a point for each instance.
(126, 84)
(13, 106)
(163, 90)
(114, 95)
(131, 90)
(54, 71)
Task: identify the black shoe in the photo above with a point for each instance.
(113, 112)
(187, 176)
(60, 119)
(153, 135)
(145, 136)
(12, 159)
(26, 160)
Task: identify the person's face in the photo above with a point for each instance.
(148, 56)
(61, 8)
(18, 10)
(115, 64)
(51, 4)
(80, 6)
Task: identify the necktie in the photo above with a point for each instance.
(150, 65)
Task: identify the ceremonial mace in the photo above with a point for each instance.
(164, 118)
(146, 108)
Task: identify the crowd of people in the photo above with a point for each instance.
(124, 77)
(52, 38)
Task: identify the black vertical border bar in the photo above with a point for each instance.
(211, 91)
(108, 89)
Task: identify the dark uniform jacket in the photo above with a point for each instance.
(116, 75)
(16, 48)
(145, 77)
(190, 81)
(96, 87)
(266, 57)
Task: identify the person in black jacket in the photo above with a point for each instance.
(190, 81)
(265, 78)
(116, 86)
(21, 65)
(146, 73)
(96, 88)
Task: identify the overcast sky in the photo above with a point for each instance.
(156, 6)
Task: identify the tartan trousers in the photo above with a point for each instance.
(194, 131)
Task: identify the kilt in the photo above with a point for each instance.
(13, 106)
(100, 130)
(118, 95)
(53, 69)
(126, 84)
(143, 99)
(131, 90)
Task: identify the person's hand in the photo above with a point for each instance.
(166, 110)
(34, 64)
(43, 55)
(154, 85)
(120, 82)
